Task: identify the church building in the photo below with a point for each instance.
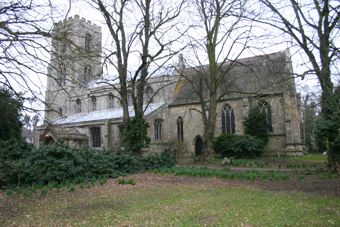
(83, 107)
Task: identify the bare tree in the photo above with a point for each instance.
(314, 27)
(224, 39)
(138, 30)
(24, 31)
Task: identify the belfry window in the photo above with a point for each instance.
(180, 134)
(61, 79)
(95, 137)
(93, 103)
(60, 111)
(129, 98)
(63, 47)
(228, 120)
(149, 94)
(158, 129)
(87, 42)
(78, 106)
(87, 73)
(265, 108)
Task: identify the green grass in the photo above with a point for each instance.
(314, 157)
(256, 163)
(185, 204)
(220, 173)
(126, 181)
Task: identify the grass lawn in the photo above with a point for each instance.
(313, 157)
(171, 200)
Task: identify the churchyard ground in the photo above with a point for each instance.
(308, 197)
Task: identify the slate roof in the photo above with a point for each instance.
(265, 74)
(116, 113)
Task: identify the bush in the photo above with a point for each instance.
(12, 161)
(256, 125)
(135, 135)
(223, 145)
(156, 161)
(58, 164)
(238, 146)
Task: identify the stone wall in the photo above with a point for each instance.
(193, 125)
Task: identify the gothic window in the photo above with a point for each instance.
(60, 111)
(95, 137)
(93, 103)
(129, 97)
(87, 42)
(61, 79)
(78, 106)
(158, 129)
(180, 134)
(110, 101)
(265, 108)
(149, 94)
(87, 73)
(63, 42)
(63, 47)
(228, 120)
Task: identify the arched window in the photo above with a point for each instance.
(110, 101)
(60, 111)
(180, 135)
(78, 106)
(87, 73)
(158, 129)
(61, 75)
(93, 103)
(63, 47)
(129, 98)
(149, 94)
(87, 42)
(228, 120)
(265, 108)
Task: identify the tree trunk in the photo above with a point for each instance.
(330, 112)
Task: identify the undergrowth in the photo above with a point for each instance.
(205, 172)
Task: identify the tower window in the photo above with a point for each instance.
(78, 106)
(93, 103)
(87, 42)
(129, 98)
(180, 134)
(158, 129)
(60, 111)
(110, 101)
(95, 137)
(228, 120)
(149, 94)
(61, 79)
(265, 108)
(63, 47)
(87, 73)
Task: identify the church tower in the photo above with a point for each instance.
(75, 61)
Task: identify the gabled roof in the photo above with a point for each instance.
(116, 113)
(265, 74)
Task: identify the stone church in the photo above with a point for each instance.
(83, 108)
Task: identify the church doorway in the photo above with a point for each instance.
(48, 140)
(198, 145)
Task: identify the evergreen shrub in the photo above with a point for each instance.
(58, 164)
(12, 161)
(135, 134)
(256, 124)
(238, 146)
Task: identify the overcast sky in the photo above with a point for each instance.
(65, 9)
